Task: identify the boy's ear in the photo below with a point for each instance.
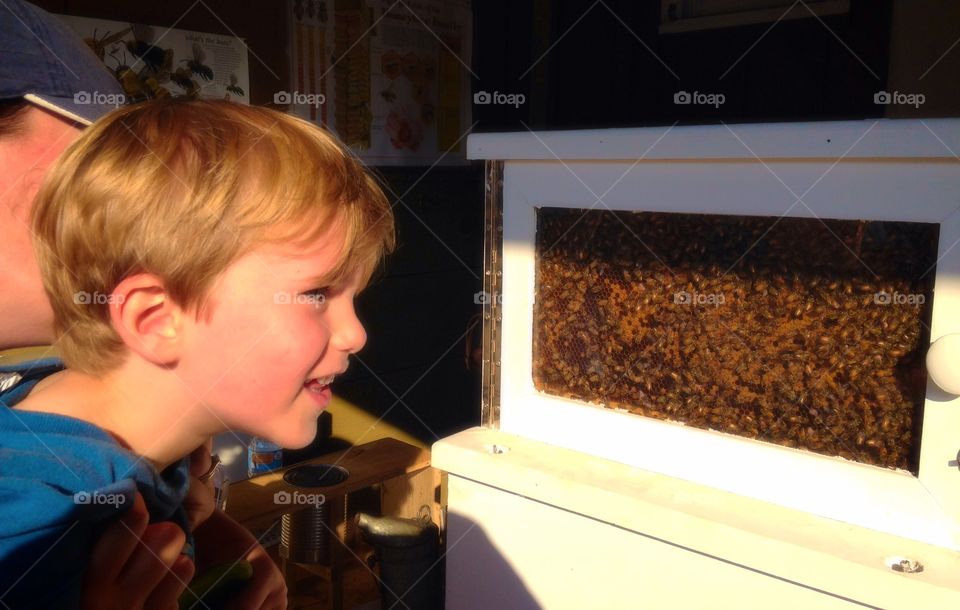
(148, 321)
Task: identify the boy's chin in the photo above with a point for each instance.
(297, 439)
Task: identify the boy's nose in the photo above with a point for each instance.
(349, 336)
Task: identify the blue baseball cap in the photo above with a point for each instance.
(47, 63)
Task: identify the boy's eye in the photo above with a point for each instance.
(316, 297)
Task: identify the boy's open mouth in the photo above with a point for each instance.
(318, 384)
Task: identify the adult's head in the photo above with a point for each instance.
(50, 86)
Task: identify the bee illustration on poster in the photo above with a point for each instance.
(152, 62)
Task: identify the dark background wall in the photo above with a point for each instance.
(584, 63)
(579, 63)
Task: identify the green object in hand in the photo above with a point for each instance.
(214, 587)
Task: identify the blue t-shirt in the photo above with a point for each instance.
(62, 481)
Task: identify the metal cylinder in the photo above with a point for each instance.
(408, 551)
(305, 535)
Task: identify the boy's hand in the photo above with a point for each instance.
(199, 503)
(222, 539)
(134, 566)
(266, 590)
(219, 538)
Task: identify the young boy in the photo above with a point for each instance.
(201, 258)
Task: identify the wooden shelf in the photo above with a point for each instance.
(251, 502)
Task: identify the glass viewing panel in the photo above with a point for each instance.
(802, 332)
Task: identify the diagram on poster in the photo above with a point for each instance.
(151, 61)
(420, 80)
(391, 79)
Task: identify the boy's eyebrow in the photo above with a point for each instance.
(326, 278)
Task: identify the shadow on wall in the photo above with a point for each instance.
(484, 579)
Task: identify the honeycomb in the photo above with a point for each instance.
(802, 332)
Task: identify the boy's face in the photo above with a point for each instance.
(262, 355)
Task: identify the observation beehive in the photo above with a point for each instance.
(721, 354)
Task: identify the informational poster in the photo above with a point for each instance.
(420, 98)
(391, 78)
(151, 61)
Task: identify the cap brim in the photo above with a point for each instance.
(68, 108)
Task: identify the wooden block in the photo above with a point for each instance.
(252, 501)
(407, 496)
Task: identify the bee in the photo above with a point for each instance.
(154, 79)
(156, 89)
(196, 64)
(99, 45)
(184, 79)
(152, 56)
(233, 87)
(389, 95)
(133, 87)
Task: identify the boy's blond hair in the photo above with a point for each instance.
(182, 189)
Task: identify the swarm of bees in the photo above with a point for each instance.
(793, 331)
(148, 69)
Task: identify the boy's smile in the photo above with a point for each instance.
(319, 389)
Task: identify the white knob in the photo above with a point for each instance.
(943, 363)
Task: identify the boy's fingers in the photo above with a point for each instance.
(200, 458)
(114, 547)
(166, 594)
(131, 562)
(266, 591)
(151, 561)
(276, 601)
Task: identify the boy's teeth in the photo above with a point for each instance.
(323, 380)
